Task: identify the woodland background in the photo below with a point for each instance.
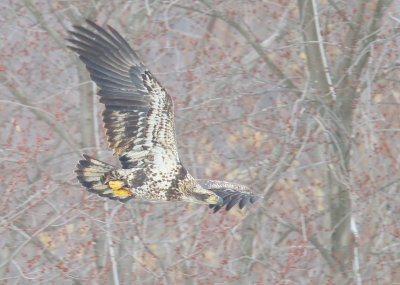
(297, 99)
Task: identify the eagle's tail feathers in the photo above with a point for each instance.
(90, 172)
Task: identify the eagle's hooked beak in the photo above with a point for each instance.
(214, 200)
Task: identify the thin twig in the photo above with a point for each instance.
(287, 83)
(53, 124)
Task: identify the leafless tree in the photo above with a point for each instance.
(297, 99)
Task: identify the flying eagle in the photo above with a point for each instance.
(139, 123)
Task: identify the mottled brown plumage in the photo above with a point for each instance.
(139, 123)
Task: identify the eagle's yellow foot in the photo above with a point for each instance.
(117, 189)
(115, 185)
(122, 192)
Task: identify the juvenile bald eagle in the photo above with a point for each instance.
(139, 123)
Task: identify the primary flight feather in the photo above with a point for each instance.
(139, 123)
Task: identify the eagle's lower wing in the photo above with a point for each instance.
(138, 111)
(231, 193)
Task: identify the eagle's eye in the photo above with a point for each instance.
(212, 199)
(201, 196)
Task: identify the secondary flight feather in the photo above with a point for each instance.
(139, 123)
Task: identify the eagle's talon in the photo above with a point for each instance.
(116, 185)
(121, 192)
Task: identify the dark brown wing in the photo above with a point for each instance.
(138, 112)
(231, 193)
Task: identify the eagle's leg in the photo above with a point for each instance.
(117, 187)
(116, 183)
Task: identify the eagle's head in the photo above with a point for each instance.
(204, 196)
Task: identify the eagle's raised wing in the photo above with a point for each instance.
(231, 193)
(138, 111)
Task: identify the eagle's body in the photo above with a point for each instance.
(139, 122)
(169, 182)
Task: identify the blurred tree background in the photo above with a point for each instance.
(297, 99)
